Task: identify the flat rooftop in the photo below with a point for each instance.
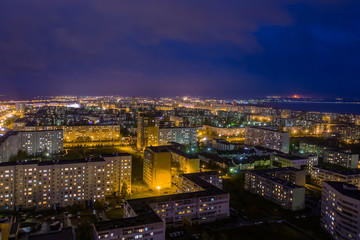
(157, 149)
(266, 173)
(146, 215)
(346, 171)
(182, 153)
(116, 154)
(346, 189)
(290, 157)
(54, 162)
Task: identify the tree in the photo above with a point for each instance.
(84, 231)
(207, 236)
(98, 204)
(124, 191)
(223, 236)
(21, 155)
(124, 132)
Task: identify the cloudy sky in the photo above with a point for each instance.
(231, 48)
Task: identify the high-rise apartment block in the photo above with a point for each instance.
(144, 122)
(157, 167)
(340, 210)
(51, 184)
(283, 186)
(267, 138)
(150, 133)
(32, 142)
(118, 172)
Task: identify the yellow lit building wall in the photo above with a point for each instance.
(153, 133)
(162, 170)
(191, 165)
(92, 133)
(4, 230)
(187, 165)
(157, 168)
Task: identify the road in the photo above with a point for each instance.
(3, 119)
(313, 187)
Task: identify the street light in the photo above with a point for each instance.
(158, 188)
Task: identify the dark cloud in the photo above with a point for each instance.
(212, 48)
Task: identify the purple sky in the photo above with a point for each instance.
(229, 48)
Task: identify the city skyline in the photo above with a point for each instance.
(239, 50)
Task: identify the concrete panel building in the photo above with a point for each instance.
(267, 138)
(343, 158)
(283, 186)
(34, 184)
(188, 163)
(157, 167)
(32, 142)
(340, 210)
(299, 162)
(321, 174)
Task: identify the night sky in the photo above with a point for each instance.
(225, 48)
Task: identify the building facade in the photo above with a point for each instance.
(32, 142)
(322, 174)
(343, 158)
(118, 172)
(147, 218)
(187, 163)
(144, 122)
(91, 135)
(267, 138)
(299, 162)
(33, 184)
(283, 186)
(340, 210)
(157, 167)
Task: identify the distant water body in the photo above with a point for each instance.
(350, 108)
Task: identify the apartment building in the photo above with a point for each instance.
(343, 158)
(223, 145)
(183, 135)
(147, 218)
(75, 135)
(162, 136)
(299, 162)
(188, 185)
(32, 142)
(311, 148)
(91, 134)
(226, 132)
(267, 138)
(144, 122)
(145, 224)
(49, 141)
(149, 133)
(283, 186)
(157, 167)
(188, 163)
(118, 172)
(340, 210)
(321, 174)
(9, 146)
(52, 184)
